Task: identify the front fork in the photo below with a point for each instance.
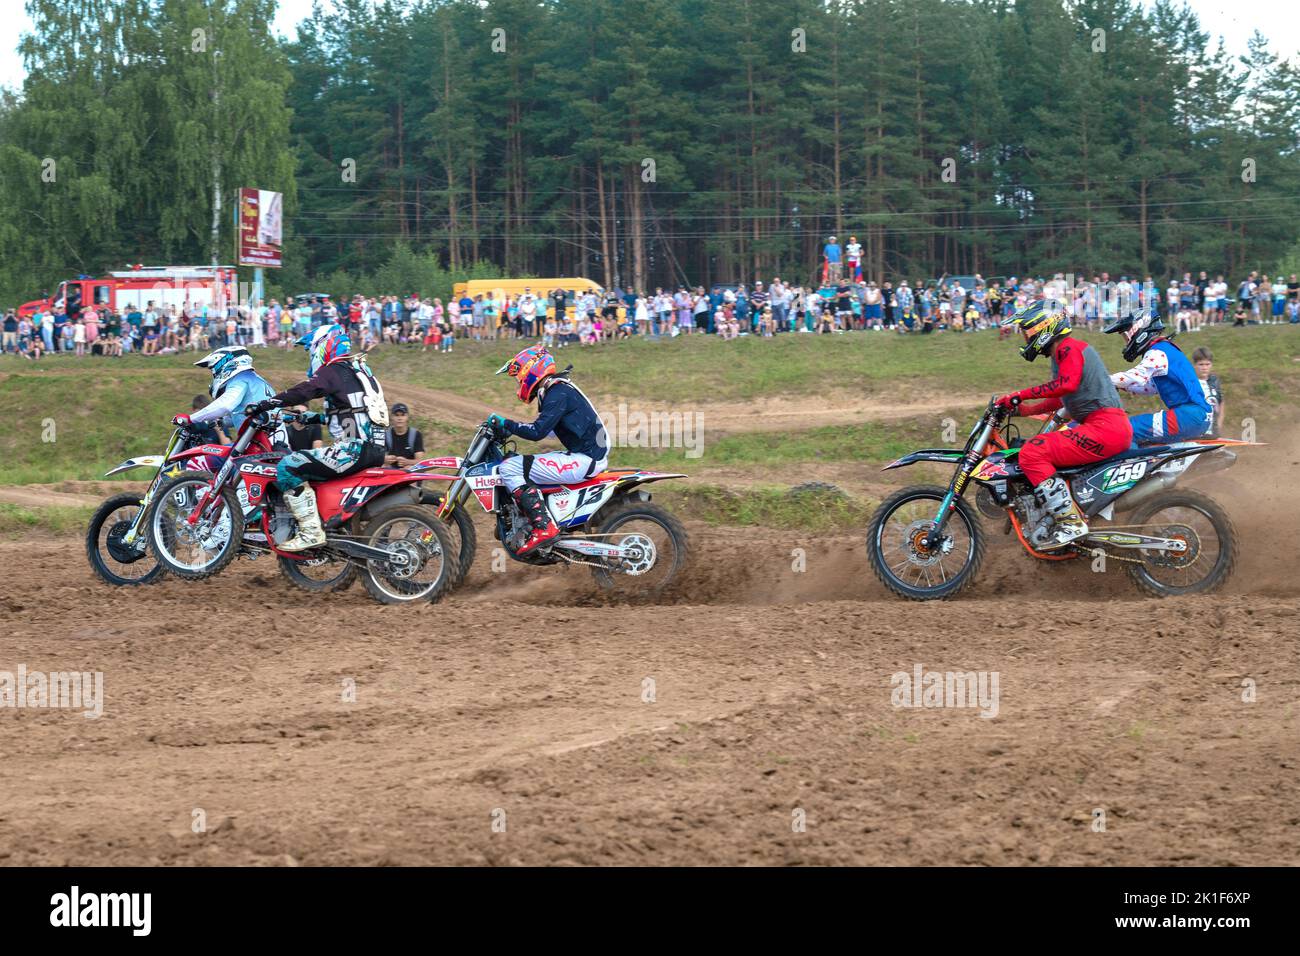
(960, 477)
(137, 526)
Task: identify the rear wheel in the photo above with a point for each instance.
(898, 552)
(423, 564)
(111, 557)
(199, 550)
(656, 544)
(1211, 545)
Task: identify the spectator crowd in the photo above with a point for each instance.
(842, 302)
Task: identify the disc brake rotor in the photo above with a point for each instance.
(118, 549)
(917, 553)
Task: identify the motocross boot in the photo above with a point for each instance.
(529, 499)
(1067, 521)
(310, 533)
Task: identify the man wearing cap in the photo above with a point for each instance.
(404, 444)
(831, 253)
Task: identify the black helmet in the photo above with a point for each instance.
(1147, 326)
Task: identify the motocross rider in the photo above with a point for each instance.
(235, 385)
(1166, 371)
(356, 414)
(1082, 385)
(563, 409)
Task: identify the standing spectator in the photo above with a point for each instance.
(79, 337)
(758, 300)
(301, 437)
(528, 312)
(445, 325)
(1245, 299)
(539, 320)
(853, 259)
(11, 331)
(685, 315)
(1203, 360)
(873, 306)
(404, 445)
(47, 329)
(831, 254)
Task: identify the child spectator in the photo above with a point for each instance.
(1203, 359)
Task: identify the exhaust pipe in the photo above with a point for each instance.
(1145, 491)
(1213, 461)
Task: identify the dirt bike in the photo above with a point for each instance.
(199, 521)
(927, 542)
(116, 544)
(607, 521)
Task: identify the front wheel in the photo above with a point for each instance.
(422, 563)
(896, 545)
(463, 525)
(117, 561)
(655, 544)
(1211, 545)
(197, 550)
(318, 575)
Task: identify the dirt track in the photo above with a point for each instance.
(524, 694)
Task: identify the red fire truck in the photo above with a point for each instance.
(137, 287)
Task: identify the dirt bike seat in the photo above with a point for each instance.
(607, 475)
(1142, 452)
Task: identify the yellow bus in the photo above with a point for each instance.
(500, 288)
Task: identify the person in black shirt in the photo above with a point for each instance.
(303, 436)
(405, 444)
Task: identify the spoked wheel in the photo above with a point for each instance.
(900, 557)
(319, 574)
(422, 564)
(464, 538)
(1198, 521)
(194, 550)
(116, 560)
(655, 549)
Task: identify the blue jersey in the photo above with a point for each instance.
(1166, 371)
(1179, 385)
(243, 389)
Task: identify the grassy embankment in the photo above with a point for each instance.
(74, 419)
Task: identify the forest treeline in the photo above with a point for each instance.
(648, 142)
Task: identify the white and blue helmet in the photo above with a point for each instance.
(225, 363)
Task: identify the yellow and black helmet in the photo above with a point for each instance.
(1041, 325)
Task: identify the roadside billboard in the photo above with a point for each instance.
(261, 228)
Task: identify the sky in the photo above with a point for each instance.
(1234, 20)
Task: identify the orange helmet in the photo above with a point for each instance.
(530, 367)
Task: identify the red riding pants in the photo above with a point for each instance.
(1104, 433)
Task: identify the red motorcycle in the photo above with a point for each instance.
(199, 521)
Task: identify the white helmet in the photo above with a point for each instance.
(225, 364)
